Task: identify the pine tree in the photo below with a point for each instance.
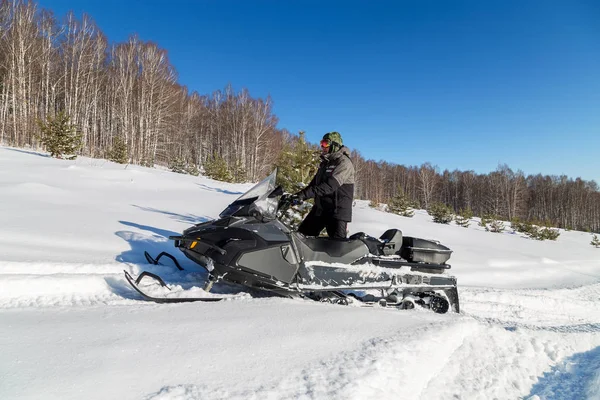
(516, 224)
(595, 241)
(60, 136)
(526, 227)
(181, 165)
(297, 164)
(548, 233)
(463, 218)
(485, 220)
(147, 161)
(533, 231)
(441, 213)
(239, 172)
(118, 151)
(192, 169)
(495, 225)
(215, 167)
(178, 165)
(401, 204)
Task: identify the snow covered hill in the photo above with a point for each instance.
(71, 328)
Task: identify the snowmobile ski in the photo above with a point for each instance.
(135, 282)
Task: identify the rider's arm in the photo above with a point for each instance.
(341, 174)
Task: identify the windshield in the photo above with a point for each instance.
(255, 200)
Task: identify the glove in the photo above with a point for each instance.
(297, 198)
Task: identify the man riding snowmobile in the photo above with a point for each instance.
(333, 191)
(248, 245)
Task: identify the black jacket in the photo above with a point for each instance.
(333, 186)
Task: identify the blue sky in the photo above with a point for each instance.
(461, 84)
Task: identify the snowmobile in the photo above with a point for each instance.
(251, 246)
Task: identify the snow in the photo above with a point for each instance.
(71, 327)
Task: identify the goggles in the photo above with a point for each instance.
(325, 143)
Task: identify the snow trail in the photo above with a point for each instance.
(24, 285)
(441, 362)
(71, 328)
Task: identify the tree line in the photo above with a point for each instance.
(121, 92)
(127, 95)
(557, 201)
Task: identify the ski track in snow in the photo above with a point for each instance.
(394, 367)
(37, 285)
(566, 309)
(389, 366)
(558, 367)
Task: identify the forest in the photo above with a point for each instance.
(125, 98)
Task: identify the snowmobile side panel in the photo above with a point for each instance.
(277, 261)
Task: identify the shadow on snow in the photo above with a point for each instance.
(214, 189)
(185, 218)
(154, 243)
(31, 152)
(513, 326)
(577, 377)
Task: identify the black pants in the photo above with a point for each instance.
(313, 225)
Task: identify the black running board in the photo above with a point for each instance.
(134, 284)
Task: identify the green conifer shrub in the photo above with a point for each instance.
(595, 241)
(441, 213)
(463, 218)
(215, 167)
(484, 221)
(178, 165)
(495, 225)
(297, 164)
(118, 151)
(400, 204)
(60, 137)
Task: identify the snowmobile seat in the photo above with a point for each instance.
(372, 243)
(332, 250)
(392, 242)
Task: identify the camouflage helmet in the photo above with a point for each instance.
(334, 137)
